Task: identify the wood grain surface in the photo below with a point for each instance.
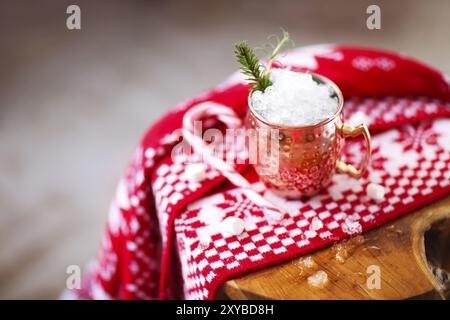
(397, 248)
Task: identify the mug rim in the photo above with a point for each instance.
(315, 76)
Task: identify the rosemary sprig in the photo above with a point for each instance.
(258, 75)
(251, 67)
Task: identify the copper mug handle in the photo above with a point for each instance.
(348, 131)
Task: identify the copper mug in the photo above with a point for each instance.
(306, 157)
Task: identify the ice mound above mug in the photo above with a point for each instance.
(294, 99)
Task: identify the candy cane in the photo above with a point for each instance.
(232, 121)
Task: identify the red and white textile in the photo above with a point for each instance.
(151, 248)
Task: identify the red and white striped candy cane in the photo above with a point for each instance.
(232, 121)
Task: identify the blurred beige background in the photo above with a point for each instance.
(73, 104)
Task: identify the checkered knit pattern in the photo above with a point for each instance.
(152, 246)
(382, 112)
(343, 210)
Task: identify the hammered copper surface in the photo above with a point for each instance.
(307, 156)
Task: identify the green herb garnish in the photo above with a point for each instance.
(257, 74)
(251, 67)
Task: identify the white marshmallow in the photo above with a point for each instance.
(204, 236)
(316, 224)
(375, 191)
(358, 118)
(233, 226)
(310, 234)
(204, 242)
(195, 172)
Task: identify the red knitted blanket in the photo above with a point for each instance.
(151, 246)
